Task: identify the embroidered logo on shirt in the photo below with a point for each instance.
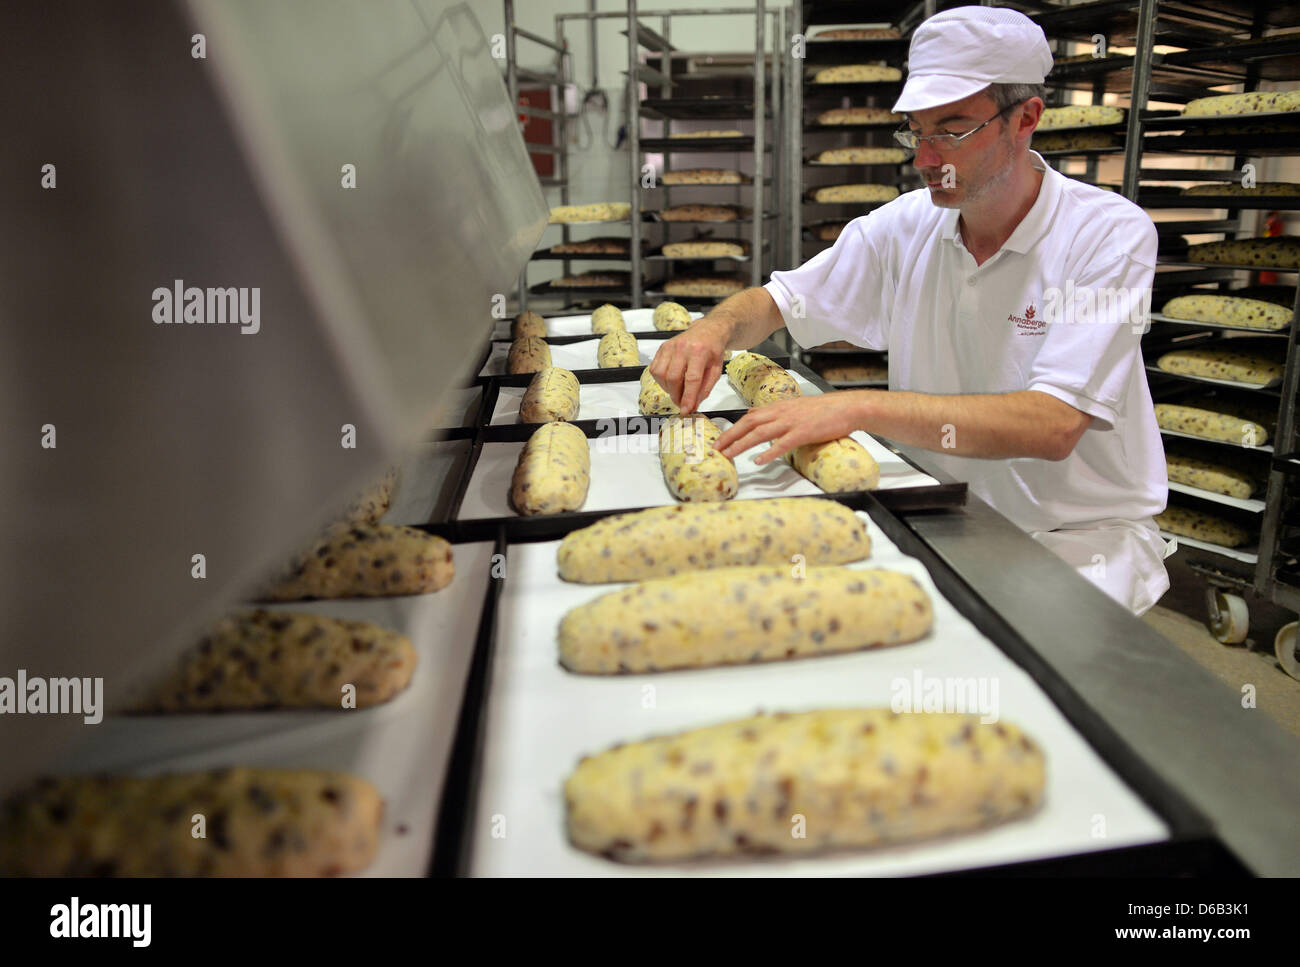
(1027, 325)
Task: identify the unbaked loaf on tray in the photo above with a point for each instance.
(802, 783)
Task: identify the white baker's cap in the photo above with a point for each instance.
(960, 52)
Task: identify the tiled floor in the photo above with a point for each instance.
(1276, 693)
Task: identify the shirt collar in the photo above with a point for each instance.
(1033, 226)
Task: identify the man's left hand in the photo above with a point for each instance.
(793, 423)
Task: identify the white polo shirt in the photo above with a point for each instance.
(1034, 316)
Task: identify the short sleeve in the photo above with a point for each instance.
(844, 292)
(1094, 331)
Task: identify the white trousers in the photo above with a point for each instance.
(1124, 558)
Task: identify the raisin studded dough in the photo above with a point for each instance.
(553, 472)
(1223, 310)
(712, 133)
(836, 466)
(857, 33)
(1235, 188)
(592, 280)
(1252, 102)
(259, 822)
(605, 211)
(861, 155)
(1229, 420)
(1075, 140)
(664, 541)
(373, 502)
(608, 318)
(703, 176)
(617, 349)
(1255, 368)
(705, 286)
(742, 614)
(858, 777)
(278, 659)
(1278, 252)
(365, 561)
(528, 354)
(1079, 116)
(860, 115)
(1218, 478)
(671, 316)
(693, 470)
(759, 380)
(857, 74)
(653, 400)
(603, 245)
(855, 193)
(700, 213)
(708, 248)
(528, 324)
(1185, 522)
(551, 397)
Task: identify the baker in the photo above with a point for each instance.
(1042, 406)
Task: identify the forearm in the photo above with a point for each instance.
(747, 318)
(989, 426)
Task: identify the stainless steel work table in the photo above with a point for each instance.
(1233, 764)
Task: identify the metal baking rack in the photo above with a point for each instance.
(1190, 849)
(754, 97)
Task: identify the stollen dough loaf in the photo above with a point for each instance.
(1075, 140)
(608, 318)
(617, 348)
(551, 397)
(366, 561)
(602, 245)
(693, 469)
(1257, 368)
(528, 354)
(742, 614)
(860, 115)
(861, 156)
(1225, 310)
(759, 380)
(700, 213)
(528, 324)
(1235, 188)
(837, 466)
(664, 541)
(604, 211)
(1252, 102)
(710, 133)
(278, 659)
(1278, 252)
(855, 193)
(703, 176)
(258, 822)
(857, 33)
(857, 777)
(707, 248)
(1185, 522)
(553, 472)
(671, 316)
(705, 286)
(653, 400)
(373, 502)
(1232, 421)
(1219, 478)
(857, 74)
(1079, 116)
(592, 280)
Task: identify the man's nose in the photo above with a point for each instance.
(926, 156)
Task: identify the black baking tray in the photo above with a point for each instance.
(1148, 199)
(681, 145)
(700, 108)
(1191, 848)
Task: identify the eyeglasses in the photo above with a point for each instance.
(945, 142)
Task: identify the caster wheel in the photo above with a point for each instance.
(1284, 648)
(1229, 616)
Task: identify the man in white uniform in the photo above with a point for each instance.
(1011, 300)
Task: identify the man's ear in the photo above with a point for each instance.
(1031, 112)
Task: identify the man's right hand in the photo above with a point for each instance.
(688, 365)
